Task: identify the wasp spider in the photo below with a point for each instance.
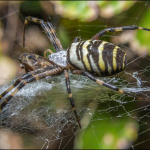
(83, 57)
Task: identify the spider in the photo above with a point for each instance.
(89, 58)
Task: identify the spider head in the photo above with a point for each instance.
(59, 58)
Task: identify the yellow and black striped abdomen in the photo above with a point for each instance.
(96, 56)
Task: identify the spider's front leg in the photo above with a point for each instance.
(28, 78)
(48, 50)
(98, 81)
(23, 77)
(70, 95)
(48, 29)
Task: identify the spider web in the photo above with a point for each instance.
(40, 115)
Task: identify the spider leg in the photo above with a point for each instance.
(47, 50)
(48, 29)
(25, 76)
(55, 38)
(102, 32)
(77, 39)
(70, 95)
(10, 88)
(30, 77)
(98, 81)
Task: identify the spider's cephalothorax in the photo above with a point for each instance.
(59, 58)
(88, 58)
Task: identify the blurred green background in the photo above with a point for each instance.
(84, 19)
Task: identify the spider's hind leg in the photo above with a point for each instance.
(98, 81)
(103, 32)
(70, 95)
